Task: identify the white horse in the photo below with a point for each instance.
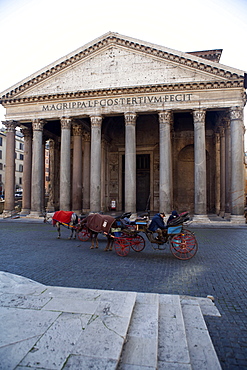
(65, 218)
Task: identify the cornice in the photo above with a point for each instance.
(165, 88)
(113, 39)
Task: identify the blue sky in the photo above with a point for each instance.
(34, 33)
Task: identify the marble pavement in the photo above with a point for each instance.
(53, 328)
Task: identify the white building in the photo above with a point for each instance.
(19, 157)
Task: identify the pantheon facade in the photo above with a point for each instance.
(132, 122)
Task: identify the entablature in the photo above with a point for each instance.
(238, 83)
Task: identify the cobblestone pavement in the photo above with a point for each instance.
(31, 249)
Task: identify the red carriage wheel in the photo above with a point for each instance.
(184, 245)
(83, 234)
(137, 243)
(122, 246)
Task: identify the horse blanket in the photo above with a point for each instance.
(62, 216)
(99, 223)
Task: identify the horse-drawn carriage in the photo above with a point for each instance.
(183, 244)
(124, 236)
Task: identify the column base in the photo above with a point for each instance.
(238, 219)
(25, 211)
(222, 214)
(7, 214)
(35, 214)
(77, 211)
(228, 216)
(203, 219)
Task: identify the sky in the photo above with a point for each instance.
(35, 33)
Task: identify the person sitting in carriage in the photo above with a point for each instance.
(172, 217)
(157, 225)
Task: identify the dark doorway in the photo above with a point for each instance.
(142, 181)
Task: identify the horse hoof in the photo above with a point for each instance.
(58, 237)
(105, 250)
(91, 247)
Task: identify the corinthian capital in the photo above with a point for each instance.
(77, 130)
(10, 125)
(38, 124)
(222, 131)
(96, 121)
(27, 132)
(130, 118)
(86, 136)
(199, 116)
(236, 113)
(65, 123)
(165, 117)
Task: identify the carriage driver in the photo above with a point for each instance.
(158, 225)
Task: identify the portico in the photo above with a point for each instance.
(167, 137)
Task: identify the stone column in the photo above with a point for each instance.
(9, 188)
(130, 162)
(200, 165)
(27, 171)
(65, 170)
(237, 154)
(228, 167)
(43, 176)
(103, 174)
(37, 168)
(95, 173)
(86, 172)
(57, 147)
(51, 200)
(165, 172)
(77, 169)
(222, 171)
(217, 173)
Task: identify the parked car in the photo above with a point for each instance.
(18, 194)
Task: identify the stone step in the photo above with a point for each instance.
(201, 349)
(173, 348)
(168, 332)
(141, 345)
(67, 328)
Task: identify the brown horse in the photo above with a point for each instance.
(97, 223)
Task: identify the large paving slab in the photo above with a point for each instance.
(45, 327)
(53, 328)
(11, 283)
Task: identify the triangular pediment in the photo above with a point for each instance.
(114, 61)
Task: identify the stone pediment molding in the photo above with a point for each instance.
(126, 91)
(181, 59)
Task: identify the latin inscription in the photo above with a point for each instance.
(118, 101)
